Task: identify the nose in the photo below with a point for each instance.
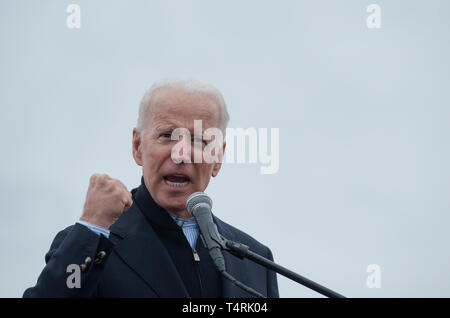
(181, 152)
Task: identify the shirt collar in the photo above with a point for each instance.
(182, 222)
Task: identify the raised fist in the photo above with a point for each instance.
(106, 200)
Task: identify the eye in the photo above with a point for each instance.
(165, 135)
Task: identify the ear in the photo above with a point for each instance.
(218, 165)
(137, 145)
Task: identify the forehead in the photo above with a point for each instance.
(176, 106)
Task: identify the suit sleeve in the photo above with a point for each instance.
(76, 245)
(272, 283)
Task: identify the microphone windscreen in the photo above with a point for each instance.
(196, 198)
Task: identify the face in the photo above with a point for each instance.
(167, 176)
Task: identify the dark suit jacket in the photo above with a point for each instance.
(135, 263)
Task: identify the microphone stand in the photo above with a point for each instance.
(199, 205)
(243, 251)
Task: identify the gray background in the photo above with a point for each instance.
(363, 117)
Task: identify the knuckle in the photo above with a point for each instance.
(116, 191)
(106, 180)
(119, 183)
(110, 188)
(93, 178)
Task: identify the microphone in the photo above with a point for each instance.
(199, 205)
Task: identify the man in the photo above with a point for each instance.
(145, 243)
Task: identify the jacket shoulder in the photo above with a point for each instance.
(242, 237)
(59, 238)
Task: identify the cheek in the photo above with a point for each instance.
(153, 160)
(156, 155)
(205, 171)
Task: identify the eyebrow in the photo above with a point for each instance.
(169, 129)
(164, 129)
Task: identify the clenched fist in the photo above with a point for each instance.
(106, 200)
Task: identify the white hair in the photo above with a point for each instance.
(188, 85)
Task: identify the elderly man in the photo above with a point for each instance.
(144, 243)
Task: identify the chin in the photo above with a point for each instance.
(174, 203)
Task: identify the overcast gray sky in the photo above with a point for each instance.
(364, 175)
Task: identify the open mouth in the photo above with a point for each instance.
(177, 180)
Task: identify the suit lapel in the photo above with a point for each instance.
(138, 245)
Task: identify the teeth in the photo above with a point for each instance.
(176, 184)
